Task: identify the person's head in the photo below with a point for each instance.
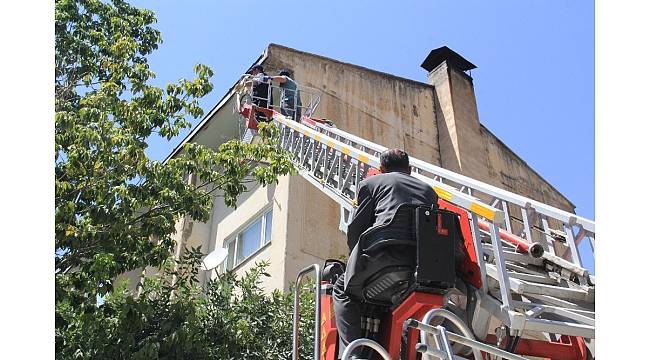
(394, 160)
(284, 72)
(256, 70)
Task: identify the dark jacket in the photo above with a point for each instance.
(378, 198)
(380, 195)
(261, 92)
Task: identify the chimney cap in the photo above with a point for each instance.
(437, 56)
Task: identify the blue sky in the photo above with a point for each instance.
(534, 82)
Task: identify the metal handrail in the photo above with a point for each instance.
(296, 311)
(486, 188)
(446, 314)
(365, 342)
(438, 330)
(313, 95)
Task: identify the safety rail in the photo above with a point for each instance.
(296, 311)
(443, 350)
(347, 353)
(448, 315)
(305, 99)
(575, 227)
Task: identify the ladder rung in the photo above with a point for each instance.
(532, 278)
(515, 256)
(524, 287)
(561, 327)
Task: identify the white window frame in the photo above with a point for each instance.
(235, 239)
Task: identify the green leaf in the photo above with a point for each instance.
(116, 210)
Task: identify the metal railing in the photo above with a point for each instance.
(347, 353)
(448, 315)
(304, 101)
(296, 312)
(442, 348)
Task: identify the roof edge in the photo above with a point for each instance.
(192, 134)
(415, 82)
(224, 99)
(530, 167)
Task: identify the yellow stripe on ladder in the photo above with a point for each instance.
(442, 193)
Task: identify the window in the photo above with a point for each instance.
(247, 241)
(268, 220)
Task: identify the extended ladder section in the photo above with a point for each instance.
(547, 292)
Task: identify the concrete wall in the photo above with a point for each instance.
(225, 222)
(382, 108)
(313, 233)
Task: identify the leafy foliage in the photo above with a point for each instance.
(115, 208)
(231, 318)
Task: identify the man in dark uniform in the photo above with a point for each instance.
(262, 92)
(378, 198)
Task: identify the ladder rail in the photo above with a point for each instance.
(475, 345)
(339, 149)
(296, 312)
(483, 187)
(526, 205)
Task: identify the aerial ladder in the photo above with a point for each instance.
(525, 293)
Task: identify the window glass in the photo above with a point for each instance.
(267, 228)
(230, 261)
(249, 240)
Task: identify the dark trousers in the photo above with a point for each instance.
(347, 307)
(293, 113)
(348, 315)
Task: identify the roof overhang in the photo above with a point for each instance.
(205, 122)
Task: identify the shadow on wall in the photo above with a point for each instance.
(448, 159)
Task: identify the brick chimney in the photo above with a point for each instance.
(462, 148)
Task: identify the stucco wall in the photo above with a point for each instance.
(226, 222)
(382, 108)
(313, 233)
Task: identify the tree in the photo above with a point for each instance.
(231, 318)
(115, 208)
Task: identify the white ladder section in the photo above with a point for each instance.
(552, 294)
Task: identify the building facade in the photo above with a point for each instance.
(292, 224)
